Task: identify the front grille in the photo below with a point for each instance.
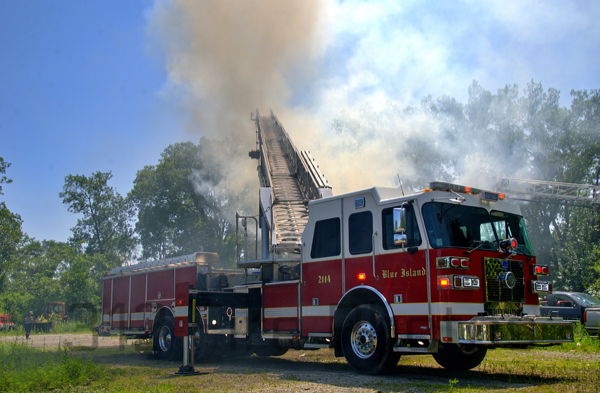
(499, 299)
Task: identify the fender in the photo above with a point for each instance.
(359, 295)
(160, 314)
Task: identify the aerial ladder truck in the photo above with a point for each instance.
(372, 274)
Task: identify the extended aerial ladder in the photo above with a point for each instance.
(289, 179)
(567, 193)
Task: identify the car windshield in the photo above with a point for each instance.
(585, 299)
(451, 225)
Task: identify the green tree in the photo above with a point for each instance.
(80, 277)
(106, 225)
(184, 204)
(170, 212)
(11, 237)
(34, 278)
(3, 179)
(11, 233)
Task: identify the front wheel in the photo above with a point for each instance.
(366, 341)
(459, 358)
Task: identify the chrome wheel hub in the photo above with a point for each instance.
(364, 339)
(164, 338)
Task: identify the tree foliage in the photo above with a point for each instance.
(105, 226)
(11, 233)
(10, 240)
(182, 203)
(50, 271)
(3, 179)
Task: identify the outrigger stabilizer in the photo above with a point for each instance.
(182, 328)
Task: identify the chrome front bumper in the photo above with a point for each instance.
(508, 330)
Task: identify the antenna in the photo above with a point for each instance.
(399, 180)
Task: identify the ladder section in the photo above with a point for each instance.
(289, 179)
(289, 207)
(551, 190)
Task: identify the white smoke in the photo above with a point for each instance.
(351, 111)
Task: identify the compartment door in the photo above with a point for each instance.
(280, 307)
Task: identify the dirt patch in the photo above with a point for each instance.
(54, 341)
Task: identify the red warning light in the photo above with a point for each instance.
(362, 276)
(444, 282)
(538, 270)
(545, 270)
(514, 243)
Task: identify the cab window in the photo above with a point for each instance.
(562, 301)
(413, 236)
(360, 232)
(326, 239)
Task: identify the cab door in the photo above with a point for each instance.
(564, 306)
(322, 279)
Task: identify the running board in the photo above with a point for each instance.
(416, 343)
(318, 340)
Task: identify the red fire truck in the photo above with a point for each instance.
(373, 274)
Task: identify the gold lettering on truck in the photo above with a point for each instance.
(324, 279)
(412, 273)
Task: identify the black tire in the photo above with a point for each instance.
(202, 351)
(463, 358)
(166, 345)
(366, 341)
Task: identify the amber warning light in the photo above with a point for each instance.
(444, 282)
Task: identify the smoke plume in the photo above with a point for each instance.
(226, 58)
(231, 57)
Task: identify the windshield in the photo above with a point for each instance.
(585, 299)
(450, 225)
(509, 225)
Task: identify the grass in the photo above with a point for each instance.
(57, 328)
(25, 369)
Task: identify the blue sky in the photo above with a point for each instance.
(107, 85)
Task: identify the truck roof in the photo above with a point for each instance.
(436, 190)
(197, 258)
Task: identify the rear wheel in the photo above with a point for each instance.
(367, 342)
(202, 350)
(463, 358)
(166, 345)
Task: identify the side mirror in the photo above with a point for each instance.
(399, 218)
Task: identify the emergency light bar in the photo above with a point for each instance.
(483, 194)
